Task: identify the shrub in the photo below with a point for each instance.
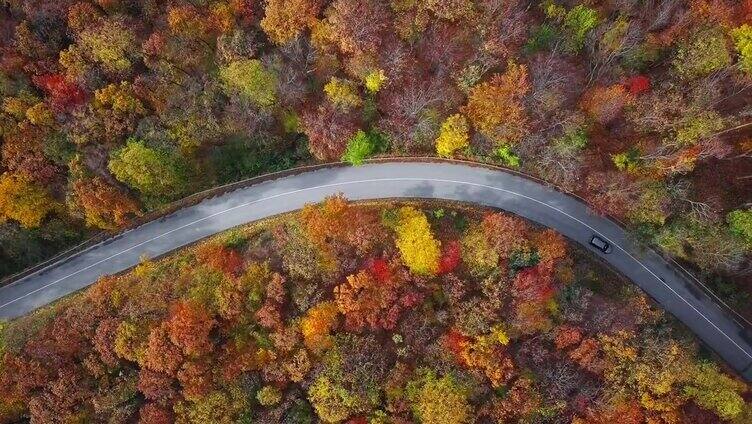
(507, 157)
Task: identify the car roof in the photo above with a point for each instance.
(598, 241)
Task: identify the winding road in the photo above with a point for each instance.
(459, 182)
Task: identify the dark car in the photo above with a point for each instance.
(600, 244)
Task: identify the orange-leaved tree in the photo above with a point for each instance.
(365, 299)
(551, 246)
(495, 107)
(189, 326)
(506, 233)
(284, 20)
(334, 223)
(220, 258)
(104, 205)
(317, 325)
(161, 354)
(604, 104)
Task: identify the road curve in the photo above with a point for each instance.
(451, 181)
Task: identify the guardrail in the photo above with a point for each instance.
(198, 197)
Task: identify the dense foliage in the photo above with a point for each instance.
(640, 107)
(330, 313)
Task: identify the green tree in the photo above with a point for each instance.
(250, 78)
(130, 341)
(578, 22)
(740, 223)
(715, 391)
(743, 42)
(651, 206)
(573, 139)
(157, 173)
(342, 93)
(480, 256)
(112, 45)
(375, 80)
(695, 127)
(244, 158)
(707, 244)
(332, 402)
(268, 396)
(360, 147)
(627, 161)
(349, 379)
(117, 109)
(704, 54)
(541, 38)
(217, 407)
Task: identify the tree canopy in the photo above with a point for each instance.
(156, 172)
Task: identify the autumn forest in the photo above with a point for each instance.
(375, 313)
(112, 110)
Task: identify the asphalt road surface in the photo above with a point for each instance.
(680, 296)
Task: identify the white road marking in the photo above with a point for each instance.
(387, 180)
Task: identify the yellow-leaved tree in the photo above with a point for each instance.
(438, 400)
(454, 135)
(23, 201)
(342, 93)
(420, 250)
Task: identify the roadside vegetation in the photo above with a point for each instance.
(372, 313)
